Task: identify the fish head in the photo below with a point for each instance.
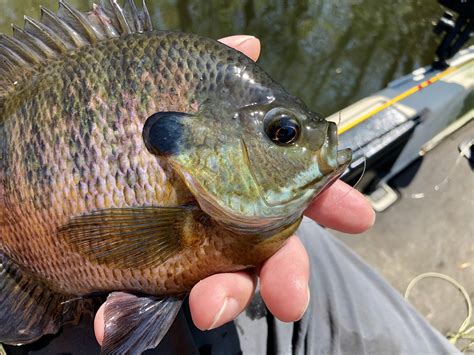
(252, 167)
(258, 172)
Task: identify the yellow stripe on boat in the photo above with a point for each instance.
(351, 124)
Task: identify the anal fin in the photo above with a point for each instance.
(134, 324)
(28, 308)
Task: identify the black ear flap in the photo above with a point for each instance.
(163, 132)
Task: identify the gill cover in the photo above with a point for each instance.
(211, 162)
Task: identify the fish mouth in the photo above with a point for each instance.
(344, 157)
(331, 161)
(329, 158)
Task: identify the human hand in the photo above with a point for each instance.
(284, 277)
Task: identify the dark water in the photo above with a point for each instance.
(329, 52)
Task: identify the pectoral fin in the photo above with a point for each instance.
(134, 324)
(131, 237)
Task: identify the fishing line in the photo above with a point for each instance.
(438, 187)
(365, 159)
(363, 168)
(466, 330)
(455, 165)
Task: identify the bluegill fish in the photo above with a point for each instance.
(140, 161)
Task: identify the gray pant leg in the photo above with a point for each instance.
(352, 311)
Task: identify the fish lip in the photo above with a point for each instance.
(340, 156)
(344, 157)
(329, 158)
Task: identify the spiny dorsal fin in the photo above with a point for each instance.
(56, 34)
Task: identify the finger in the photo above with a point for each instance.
(284, 281)
(220, 298)
(99, 325)
(343, 208)
(248, 45)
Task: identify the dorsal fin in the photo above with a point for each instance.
(56, 34)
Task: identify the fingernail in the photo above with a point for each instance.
(229, 310)
(307, 302)
(373, 219)
(244, 39)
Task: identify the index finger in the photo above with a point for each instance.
(248, 45)
(343, 208)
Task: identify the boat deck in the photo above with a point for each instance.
(428, 230)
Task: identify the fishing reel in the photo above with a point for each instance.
(458, 31)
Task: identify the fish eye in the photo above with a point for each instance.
(281, 127)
